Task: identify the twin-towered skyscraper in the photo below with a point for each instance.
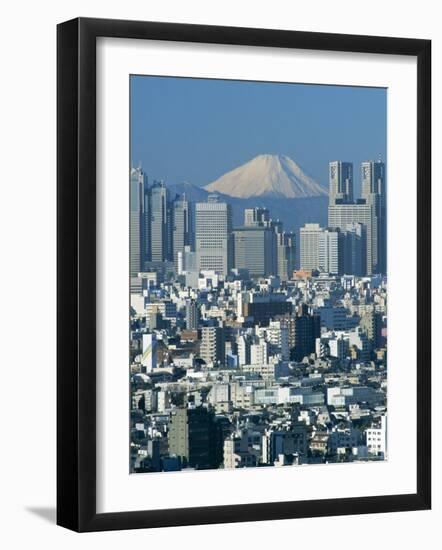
(355, 239)
(369, 211)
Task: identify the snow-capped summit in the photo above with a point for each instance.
(275, 176)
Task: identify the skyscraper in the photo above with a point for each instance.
(159, 237)
(330, 251)
(182, 227)
(255, 250)
(370, 210)
(285, 254)
(138, 184)
(213, 235)
(375, 193)
(341, 182)
(373, 178)
(353, 249)
(341, 215)
(309, 245)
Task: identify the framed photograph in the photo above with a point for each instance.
(243, 274)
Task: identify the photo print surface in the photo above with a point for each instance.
(257, 274)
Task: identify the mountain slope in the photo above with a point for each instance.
(275, 176)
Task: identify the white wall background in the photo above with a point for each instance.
(27, 288)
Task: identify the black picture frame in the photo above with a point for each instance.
(76, 274)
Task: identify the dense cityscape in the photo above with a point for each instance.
(254, 345)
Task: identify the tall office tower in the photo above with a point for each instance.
(192, 315)
(182, 227)
(195, 436)
(212, 345)
(375, 193)
(256, 217)
(309, 245)
(169, 232)
(159, 229)
(341, 215)
(353, 249)
(138, 183)
(341, 182)
(330, 251)
(286, 254)
(255, 250)
(213, 235)
(307, 329)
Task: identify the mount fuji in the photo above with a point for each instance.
(271, 176)
(272, 181)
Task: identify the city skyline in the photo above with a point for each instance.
(164, 224)
(309, 123)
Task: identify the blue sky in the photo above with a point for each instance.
(185, 129)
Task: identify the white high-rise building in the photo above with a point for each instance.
(330, 251)
(309, 245)
(213, 235)
(342, 215)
